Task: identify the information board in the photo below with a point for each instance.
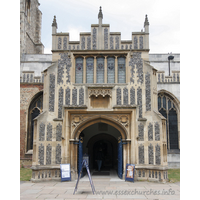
(65, 172)
(130, 168)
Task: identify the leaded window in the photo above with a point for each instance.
(121, 70)
(35, 109)
(90, 70)
(167, 108)
(110, 70)
(100, 70)
(79, 70)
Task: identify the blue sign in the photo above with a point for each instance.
(84, 164)
(65, 172)
(130, 168)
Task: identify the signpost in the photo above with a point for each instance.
(130, 168)
(65, 172)
(84, 164)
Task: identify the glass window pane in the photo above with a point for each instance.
(173, 129)
(89, 70)
(79, 70)
(121, 70)
(100, 70)
(164, 102)
(159, 103)
(110, 70)
(169, 104)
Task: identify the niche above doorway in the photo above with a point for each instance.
(100, 97)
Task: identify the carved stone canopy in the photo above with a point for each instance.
(100, 91)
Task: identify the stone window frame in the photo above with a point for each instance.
(174, 106)
(105, 56)
(32, 106)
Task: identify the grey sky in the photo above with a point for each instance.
(127, 16)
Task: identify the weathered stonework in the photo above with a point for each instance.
(151, 155)
(42, 132)
(60, 102)
(105, 38)
(139, 101)
(51, 92)
(48, 154)
(94, 38)
(74, 96)
(150, 132)
(67, 96)
(125, 95)
(119, 96)
(58, 154)
(157, 131)
(132, 96)
(148, 91)
(41, 154)
(141, 154)
(141, 132)
(81, 96)
(158, 154)
(58, 132)
(49, 132)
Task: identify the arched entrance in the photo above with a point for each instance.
(101, 137)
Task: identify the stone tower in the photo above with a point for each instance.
(30, 28)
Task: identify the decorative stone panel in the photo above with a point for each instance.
(58, 154)
(67, 96)
(157, 154)
(94, 38)
(111, 43)
(139, 101)
(141, 132)
(157, 131)
(99, 91)
(150, 132)
(125, 95)
(81, 96)
(141, 42)
(74, 96)
(59, 43)
(119, 96)
(83, 43)
(151, 156)
(51, 92)
(58, 132)
(60, 102)
(148, 92)
(48, 154)
(117, 42)
(41, 154)
(132, 64)
(135, 42)
(65, 43)
(141, 154)
(105, 38)
(132, 96)
(88, 42)
(41, 132)
(49, 132)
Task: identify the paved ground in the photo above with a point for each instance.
(107, 187)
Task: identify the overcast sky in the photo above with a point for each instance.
(127, 16)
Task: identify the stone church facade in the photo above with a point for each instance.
(100, 91)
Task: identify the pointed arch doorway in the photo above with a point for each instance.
(101, 137)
